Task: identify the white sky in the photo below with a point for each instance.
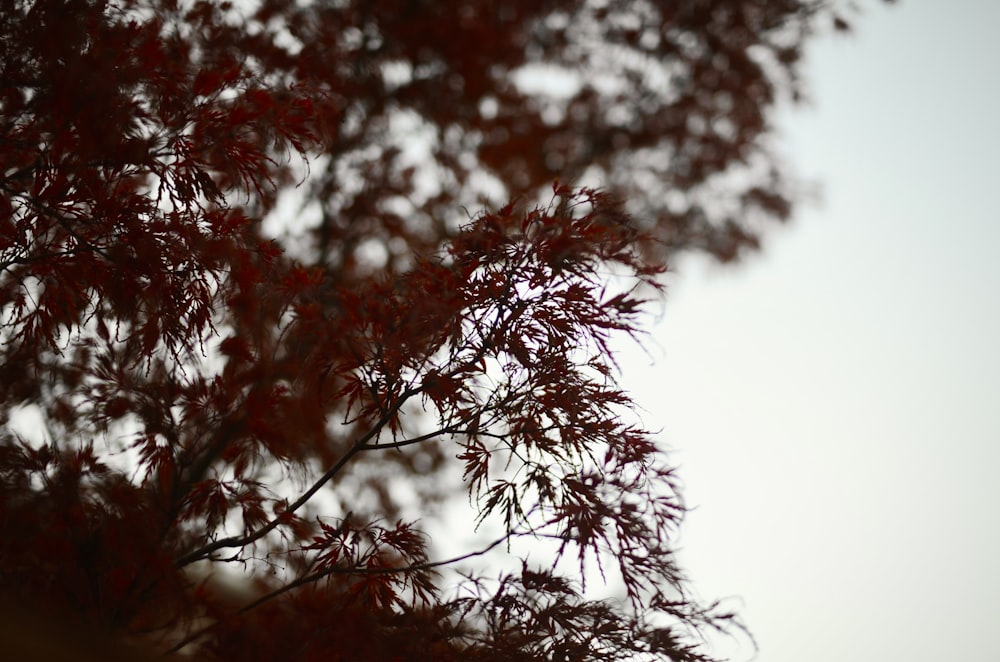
(834, 403)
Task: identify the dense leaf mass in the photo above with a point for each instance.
(248, 320)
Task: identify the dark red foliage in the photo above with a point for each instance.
(248, 321)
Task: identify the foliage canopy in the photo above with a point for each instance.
(244, 300)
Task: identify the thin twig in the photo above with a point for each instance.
(316, 576)
(240, 541)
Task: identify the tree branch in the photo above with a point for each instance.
(335, 570)
(326, 572)
(241, 541)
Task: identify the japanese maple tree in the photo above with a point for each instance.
(251, 318)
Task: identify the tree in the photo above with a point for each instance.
(214, 387)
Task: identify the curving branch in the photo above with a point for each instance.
(334, 570)
(242, 541)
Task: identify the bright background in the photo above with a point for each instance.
(834, 403)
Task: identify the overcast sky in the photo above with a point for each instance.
(834, 403)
